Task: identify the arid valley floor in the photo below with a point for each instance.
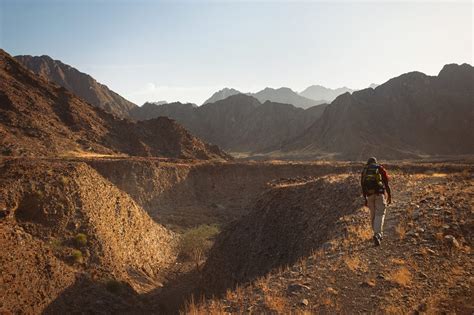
(294, 237)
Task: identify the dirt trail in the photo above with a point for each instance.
(423, 264)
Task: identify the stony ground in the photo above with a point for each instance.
(424, 264)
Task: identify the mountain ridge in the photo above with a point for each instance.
(412, 115)
(239, 123)
(40, 118)
(319, 92)
(80, 83)
(222, 94)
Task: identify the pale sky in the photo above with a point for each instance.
(186, 50)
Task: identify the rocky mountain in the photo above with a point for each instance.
(40, 118)
(239, 123)
(81, 84)
(411, 115)
(286, 96)
(222, 94)
(318, 92)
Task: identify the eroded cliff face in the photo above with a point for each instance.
(189, 194)
(63, 226)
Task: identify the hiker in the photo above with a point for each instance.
(374, 182)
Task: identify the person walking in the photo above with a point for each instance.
(374, 182)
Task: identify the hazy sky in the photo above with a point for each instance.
(186, 50)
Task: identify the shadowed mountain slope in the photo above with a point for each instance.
(81, 84)
(408, 116)
(239, 123)
(37, 117)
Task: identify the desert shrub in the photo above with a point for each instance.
(77, 256)
(113, 286)
(56, 244)
(196, 242)
(80, 239)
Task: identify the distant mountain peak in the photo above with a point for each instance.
(319, 92)
(285, 95)
(222, 94)
(158, 102)
(455, 69)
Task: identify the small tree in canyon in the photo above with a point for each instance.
(196, 242)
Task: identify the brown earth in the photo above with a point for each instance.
(39, 118)
(85, 228)
(284, 257)
(209, 192)
(64, 226)
(80, 84)
(299, 233)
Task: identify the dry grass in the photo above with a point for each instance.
(214, 307)
(355, 264)
(303, 265)
(359, 232)
(276, 302)
(393, 310)
(262, 283)
(401, 230)
(401, 276)
(397, 261)
(88, 154)
(439, 175)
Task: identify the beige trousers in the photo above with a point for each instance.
(376, 204)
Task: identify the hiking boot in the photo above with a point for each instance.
(377, 239)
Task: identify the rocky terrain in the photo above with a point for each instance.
(410, 116)
(96, 210)
(306, 247)
(39, 118)
(64, 228)
(211, 193)
(295, 237)
(81, 84)
(239, 123)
